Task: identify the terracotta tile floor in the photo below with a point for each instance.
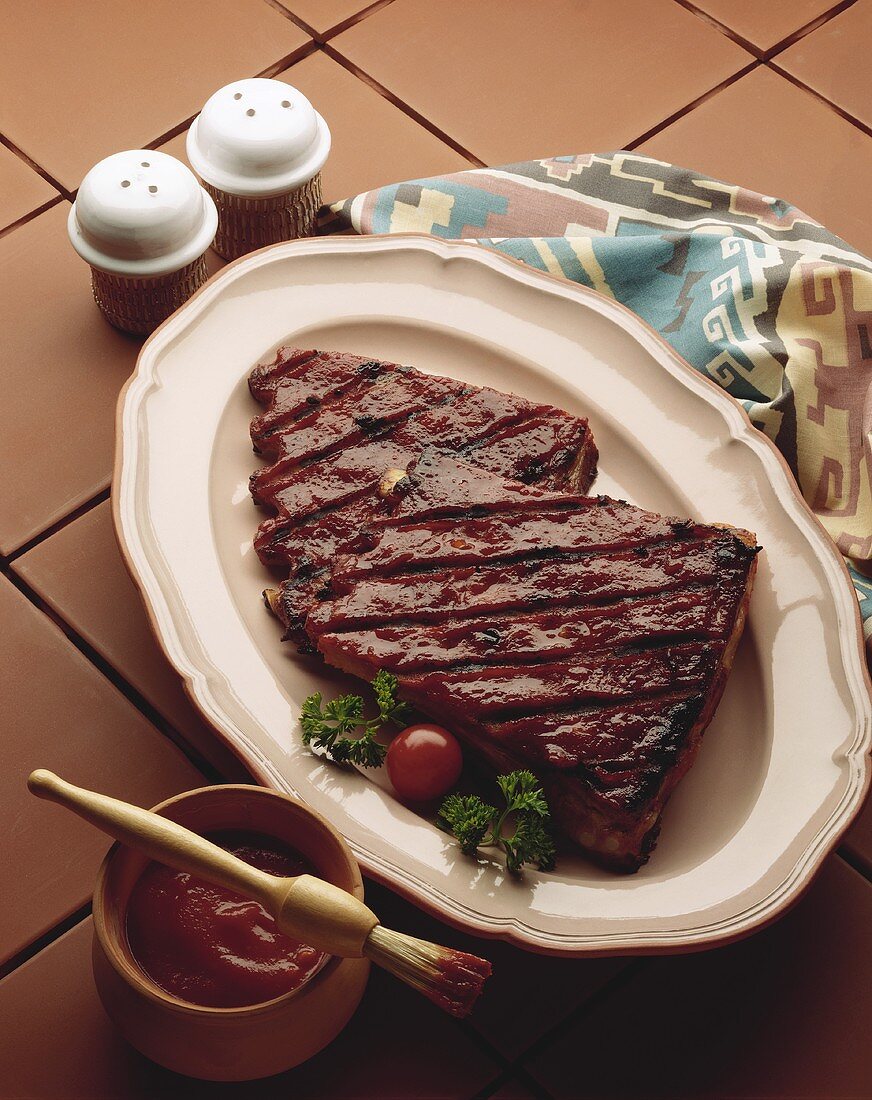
(772, 95)
(764, 24)
(21, 189)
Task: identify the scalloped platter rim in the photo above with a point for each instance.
(784, 767)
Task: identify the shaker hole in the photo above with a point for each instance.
(145, 164)
(286, 103)
(153, 189)
(250, 112)
(238, 95)
(125, 183)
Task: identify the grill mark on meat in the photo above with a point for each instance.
(528, 638)
(472, 591)
(621, 751)
(321, 383)
(330, 482)
(335, 483)
(476, 415)
(431, 544)
(505, 691)
(351, 418)
(551, 444)
(318, 538)
(288, 361)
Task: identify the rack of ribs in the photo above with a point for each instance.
(332, 422)
(580, 637)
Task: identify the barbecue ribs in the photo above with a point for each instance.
(334, 422)
(582, 638)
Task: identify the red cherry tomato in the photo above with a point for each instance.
(424, 762)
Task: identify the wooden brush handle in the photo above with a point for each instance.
(305, 907)
(156, 837)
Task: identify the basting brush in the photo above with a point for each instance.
(304, 907)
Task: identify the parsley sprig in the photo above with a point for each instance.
(328, 726)
(475, 824)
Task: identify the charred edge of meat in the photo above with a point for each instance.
(260, 377)
(732, 548)
(370, 425)
(372, 368)
(669, 732)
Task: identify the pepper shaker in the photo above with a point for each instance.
(258, 146)
(143, 223)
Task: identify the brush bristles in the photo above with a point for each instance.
(451, 979)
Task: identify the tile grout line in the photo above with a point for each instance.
(32, 949)
(856, 863)
(290, 59)
(635, 966)
(834, 107)
(58, 525)
(133, 696)
(722, 28)
(808, 28)
(353, 20)
(782, 44)
(416, 116)
(291, 17)
(516, 1074)
(345, 24)
(29, 217)
(40, 171)
(686, 110)
(276, 67)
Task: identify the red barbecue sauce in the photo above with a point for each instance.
(210, 946)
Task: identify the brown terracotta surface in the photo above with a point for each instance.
(155, 64)
(21, 188)
(764, 23)
(834, 60)
(60, 713)
(373, 142)
(55, 1041)
(783, 1014)
(582, 98)
(80, 574)
(61, 370)
(778, 131)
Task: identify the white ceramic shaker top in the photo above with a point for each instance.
(141, 213)
(258, 137)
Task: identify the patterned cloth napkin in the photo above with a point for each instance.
(748, 289)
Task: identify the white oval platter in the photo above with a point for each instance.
(784, 766)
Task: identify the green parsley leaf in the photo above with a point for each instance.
(390, 709)
(468, 818)
(475, 824)
(522, 792)
(329, 727)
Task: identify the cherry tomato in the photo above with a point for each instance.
(424, 762)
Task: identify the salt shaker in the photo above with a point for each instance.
(258, 146)
(143, 223)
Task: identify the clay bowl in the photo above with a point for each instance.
(227, 1044)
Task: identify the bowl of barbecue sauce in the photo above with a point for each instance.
(200, 979)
